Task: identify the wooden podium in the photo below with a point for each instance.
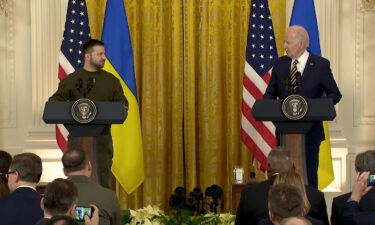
(293, 131)
(84, 134)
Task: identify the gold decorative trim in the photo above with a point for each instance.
(368, 5)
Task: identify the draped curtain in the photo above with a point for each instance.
(189, 61)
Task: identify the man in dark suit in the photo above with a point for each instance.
(352, 214)
(317, 80)
(253, 204)
(364, 161)
(285, 201)
(22, 206)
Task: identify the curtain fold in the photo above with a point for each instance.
(189, 60)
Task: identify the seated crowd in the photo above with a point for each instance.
(22, 205)
(282, 199)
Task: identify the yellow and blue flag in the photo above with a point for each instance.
(303, 14)
(128, 165)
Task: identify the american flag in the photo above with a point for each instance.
(261, 53)
(76, 33)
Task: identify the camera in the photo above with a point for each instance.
(179, 198)
(82, 211)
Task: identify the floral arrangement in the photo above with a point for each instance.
(152, 215)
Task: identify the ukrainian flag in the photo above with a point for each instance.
(128, 166)
(303, 14)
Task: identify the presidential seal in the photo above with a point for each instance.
(294, 107)
(83, 110)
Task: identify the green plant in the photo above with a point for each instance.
(152, 215)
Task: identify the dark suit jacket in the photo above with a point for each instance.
(312, 220)
(317, 79)
(22, 207)
(353, 215)
(366, 204)
(253, 204)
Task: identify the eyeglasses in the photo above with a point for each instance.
(7, 173)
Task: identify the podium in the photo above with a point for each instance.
(84, 134)
(293, 131)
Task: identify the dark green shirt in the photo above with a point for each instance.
(106, 88)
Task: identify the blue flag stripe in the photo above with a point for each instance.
(116, 30)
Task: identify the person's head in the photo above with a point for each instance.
(62, 220)
(94, 55)
(284, 200)
(5, 161)
(75, 162)
(59, 198)
(365, 161)
(294, 179)
(296, 40)
(25, 169)
(279, 160)
(298, 220)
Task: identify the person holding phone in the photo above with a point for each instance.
(59, 200)
(352, 214)
(364, 161)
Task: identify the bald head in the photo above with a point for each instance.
(279, 160)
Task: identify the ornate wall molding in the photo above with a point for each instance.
(367, 5)
(328, 17)
(7, 78)
(363, 115)
(46, 36)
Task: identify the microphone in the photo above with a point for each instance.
(90, 84)
(79, 86)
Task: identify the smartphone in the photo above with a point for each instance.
(371, 180)
(81, 211)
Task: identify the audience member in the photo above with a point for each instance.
(298, 220)
(58, 200)
(22, 206)
(5, 160)
(364, 161)
(352, 214)
(253, 203)
(59, 206)
(313, 199)
(78, 169)
(285, 200)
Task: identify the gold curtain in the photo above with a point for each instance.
(189, 60)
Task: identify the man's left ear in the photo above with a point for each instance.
(271, 215)
(304, 212)
(17, 176)
(72, 210)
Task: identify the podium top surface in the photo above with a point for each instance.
(108, 113)
(270, 110)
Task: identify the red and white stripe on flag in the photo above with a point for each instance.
(261, 53)
(76, 33)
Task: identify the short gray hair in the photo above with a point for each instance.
(365, 161)
(28, 166)
(301, 34)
